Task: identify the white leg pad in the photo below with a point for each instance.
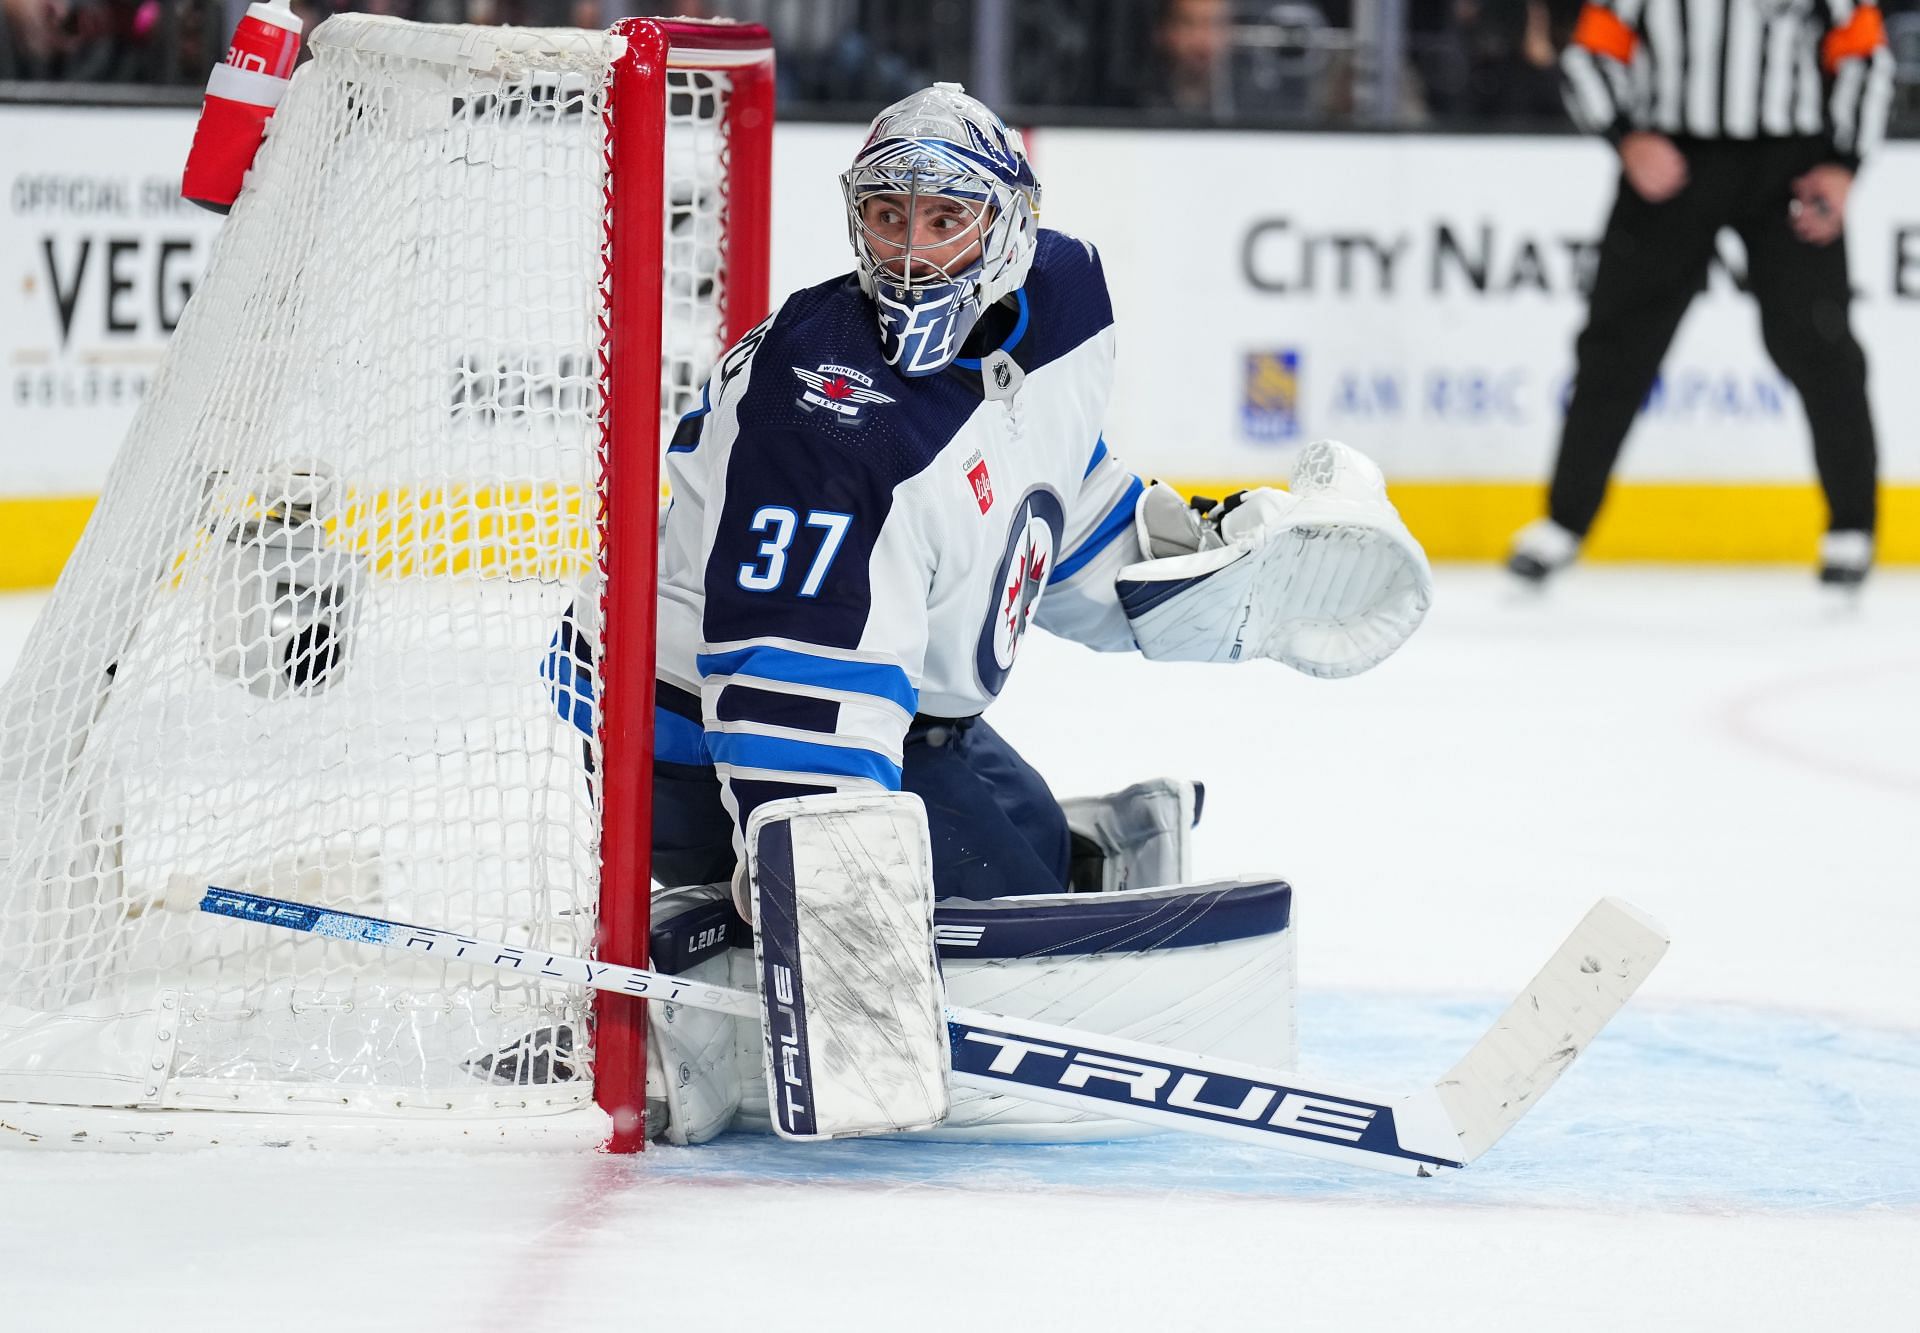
(856, 1041)
(696, 1073)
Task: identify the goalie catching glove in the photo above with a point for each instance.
(1324, 576)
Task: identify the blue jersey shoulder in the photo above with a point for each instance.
(1064, 263)
(1067, 301)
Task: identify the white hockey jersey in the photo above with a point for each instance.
(847, 547)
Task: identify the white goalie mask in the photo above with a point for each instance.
(944, 214)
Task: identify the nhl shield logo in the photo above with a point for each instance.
(1000, 376)
(841, 391)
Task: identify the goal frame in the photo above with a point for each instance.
(640, 230)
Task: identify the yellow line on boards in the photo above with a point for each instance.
(502, 531)
(37, 535)
(1681, 522)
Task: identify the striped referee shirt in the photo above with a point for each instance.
(1733, 69)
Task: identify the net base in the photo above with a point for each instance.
(99, 1129)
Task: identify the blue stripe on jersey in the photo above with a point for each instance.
(1117, 521)
(802, 712)
(677, 740)
(782, 755)
(1013, 339)
(1099, 452)
(749, 794)
(827, 673)
(686, 435)
(569, 681)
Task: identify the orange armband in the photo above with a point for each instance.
(1604, 33)
(1861, 35)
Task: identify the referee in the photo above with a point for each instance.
(1749, 114)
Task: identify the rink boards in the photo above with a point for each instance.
(1416, 295)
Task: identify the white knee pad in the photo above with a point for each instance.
(1137, 838)
(698, 1062)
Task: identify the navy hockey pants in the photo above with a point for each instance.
(995, 826)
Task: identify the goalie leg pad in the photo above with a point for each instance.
(700, 1062)
(855, 1037)
(1138, 838)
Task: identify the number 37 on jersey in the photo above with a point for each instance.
(767, 571)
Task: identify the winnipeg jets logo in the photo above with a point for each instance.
(1026, 580)
(840, 390)
(1033, 543)
(1033, 527)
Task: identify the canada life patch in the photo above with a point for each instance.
(978, 479)
(841, 391)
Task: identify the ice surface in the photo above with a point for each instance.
(1730, 750)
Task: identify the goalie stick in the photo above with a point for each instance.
(1448, 1124)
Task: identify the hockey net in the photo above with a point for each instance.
(316, 641)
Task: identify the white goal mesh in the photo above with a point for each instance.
(303, 647)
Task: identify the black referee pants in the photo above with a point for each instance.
(1653, 261)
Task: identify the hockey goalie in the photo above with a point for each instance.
(884, 487)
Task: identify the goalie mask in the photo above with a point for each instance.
(944, 214)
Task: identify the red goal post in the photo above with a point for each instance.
(636, 245)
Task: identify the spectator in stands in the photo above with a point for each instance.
(1512, 49)
(30, 37)
(107, 41)
(832, 51)
(39, 38)
(1187, 71)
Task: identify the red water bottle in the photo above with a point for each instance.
(241, 93)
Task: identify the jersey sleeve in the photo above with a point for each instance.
(1098, 534)
(1596, 71)
(1081, 603)
(814, 627)
(1858, 66)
